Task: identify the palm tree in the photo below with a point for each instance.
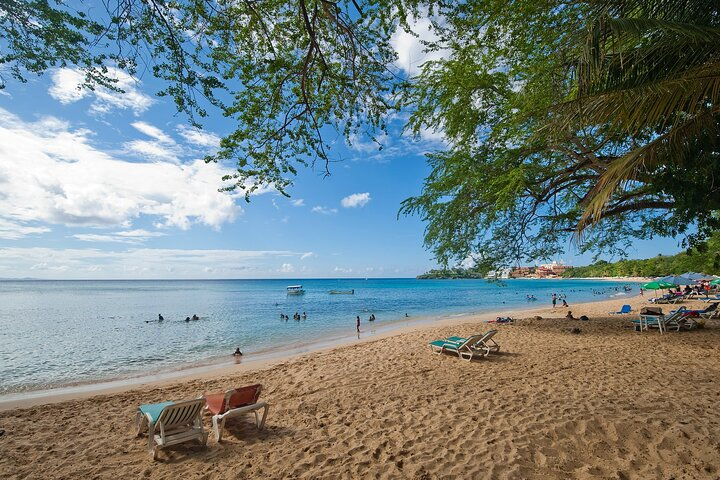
(650, 70)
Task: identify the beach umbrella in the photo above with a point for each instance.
(657, 285)
(699, 276)
(715, 282)
(676, 280)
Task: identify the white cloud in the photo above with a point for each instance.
(324, 210)
(65, 89)
(356, 200)
(140, 263)
(342, 270)
(10, 230)
(369, 146)
(131, 236)
(199, 138)
(298, 202)
(163, 147)
(307, 255)
(139, 233)
(287, 268)
(411, 49)
(51, 173)
(154, 132)
(154, 150)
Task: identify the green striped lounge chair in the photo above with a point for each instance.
(486, 343)
(475, 346)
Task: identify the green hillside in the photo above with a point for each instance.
(705, 259)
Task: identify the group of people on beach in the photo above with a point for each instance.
(296, 316)
(561, 297)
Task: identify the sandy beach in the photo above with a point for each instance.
(607, 402)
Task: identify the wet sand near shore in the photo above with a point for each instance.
(607, 402)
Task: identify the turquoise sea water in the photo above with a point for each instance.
(58, 333)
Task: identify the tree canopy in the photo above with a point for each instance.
(589, 120)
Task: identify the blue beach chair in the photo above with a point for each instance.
(625, 309)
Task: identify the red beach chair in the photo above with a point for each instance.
(235, 402)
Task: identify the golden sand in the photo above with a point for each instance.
(608, 402)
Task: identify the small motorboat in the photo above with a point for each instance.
(295, 290)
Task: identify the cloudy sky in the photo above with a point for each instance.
(104, 185)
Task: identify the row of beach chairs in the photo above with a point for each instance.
(680, 319)
(170, 423)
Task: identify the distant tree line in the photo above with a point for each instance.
(705, 258)
(452, 273)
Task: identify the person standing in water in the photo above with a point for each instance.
(554, 300)
(358, 324)
(160, 317)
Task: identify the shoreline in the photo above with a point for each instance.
(266, 359)
(561, 399)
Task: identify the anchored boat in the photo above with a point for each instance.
(342, 292)
(295, 290)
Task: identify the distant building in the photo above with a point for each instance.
(502, 273)
(519, 272)
(553, 269)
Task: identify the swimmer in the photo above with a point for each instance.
(237, 353)
(187, 319)
(195, 317)
(160, 317)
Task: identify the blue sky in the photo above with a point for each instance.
(103, 185)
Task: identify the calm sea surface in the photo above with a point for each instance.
(58, 333)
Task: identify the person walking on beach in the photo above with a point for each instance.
(641, 292)
(358, 323)
(554, 300)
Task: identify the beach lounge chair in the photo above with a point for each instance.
(672, 321)
(485, 344)
(467, 348)
(625, 309)
(463, 349)
(708, 312)
(237, 401)
(170, 423)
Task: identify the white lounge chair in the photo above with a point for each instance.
(170, 423)
(232, 403)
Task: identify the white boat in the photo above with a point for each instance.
(295, 290)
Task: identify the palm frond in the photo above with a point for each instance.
(670, 147)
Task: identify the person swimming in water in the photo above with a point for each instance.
(187, 319)
(160, 317)
(195, 317)
(237, 353)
